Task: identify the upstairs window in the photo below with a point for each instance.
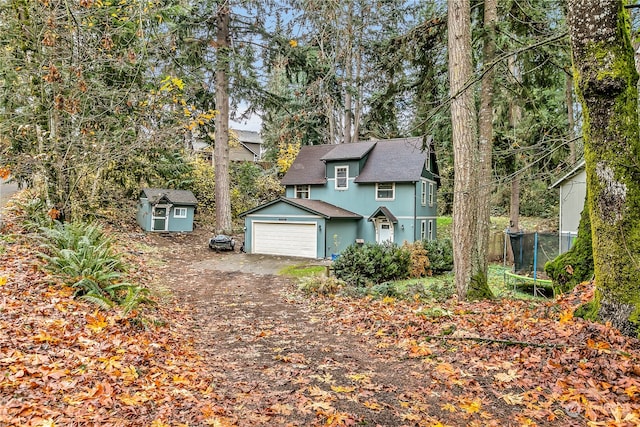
(385, 191)
(423, 193)
(303, 191)
(432, 193)
(342, 177)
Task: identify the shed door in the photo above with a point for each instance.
(159, 218)
(288, 239)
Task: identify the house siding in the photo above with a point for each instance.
(285, 213)
(572, 196)
(179, 225)
(317, 167)
(361, 199)
(143, 216)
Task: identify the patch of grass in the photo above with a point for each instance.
(441, 287)
(303, 270)
(502, 289)
(443, 227)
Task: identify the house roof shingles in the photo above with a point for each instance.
(307, 168)
(384, 211)
(394, 160)
(354, 151)
(182, 197)
(318, 207)
(323, 208)
(390, 160)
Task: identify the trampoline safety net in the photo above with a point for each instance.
(532, 248)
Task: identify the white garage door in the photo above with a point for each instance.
(289, 239)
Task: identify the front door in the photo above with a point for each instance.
(159, 218)
(385, 231)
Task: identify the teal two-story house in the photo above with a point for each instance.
(337, 195)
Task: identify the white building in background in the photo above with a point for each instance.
(573, 191)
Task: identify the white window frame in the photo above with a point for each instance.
(423, 230)
(428, 162)
(299, 189)
(432, 191)
(430, 230)
(346, 177)
(423, 192)
(393, 190)
(180, 212)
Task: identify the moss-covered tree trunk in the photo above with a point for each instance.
(576, 265)
(606, 80)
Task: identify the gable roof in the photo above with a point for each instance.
(394, 160)
(308, 168)
(574, 171)
(353, 151)
(248, 136)
(178, 197)
(317, 207)
(383, 211)
(390, 160)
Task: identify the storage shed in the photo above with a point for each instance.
(165, 210)
(573, 191)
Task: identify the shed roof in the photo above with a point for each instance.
(177, 197)
(317, 207)
(574, 171)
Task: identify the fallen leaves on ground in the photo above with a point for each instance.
(64, 363)
(251, 351)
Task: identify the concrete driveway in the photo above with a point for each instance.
(251, 263)
(6, 192)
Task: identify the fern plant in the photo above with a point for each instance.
(82, 255)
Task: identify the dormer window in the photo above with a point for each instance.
(303, 191)
(342, 177)
(385, 191)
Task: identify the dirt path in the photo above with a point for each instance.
(277, 358)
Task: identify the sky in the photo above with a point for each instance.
(254, 123)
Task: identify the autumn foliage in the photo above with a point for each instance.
(311, 361)
(63, 362)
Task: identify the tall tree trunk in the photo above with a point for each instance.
(463, 123)
(221, 150)
(515, 116)
(606, 80)
(485, 146)
(571, 123)
(348, 68)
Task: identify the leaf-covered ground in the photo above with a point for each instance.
(231, 348)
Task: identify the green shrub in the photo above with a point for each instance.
(372, 263)
(386, 289)
(440, 253)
